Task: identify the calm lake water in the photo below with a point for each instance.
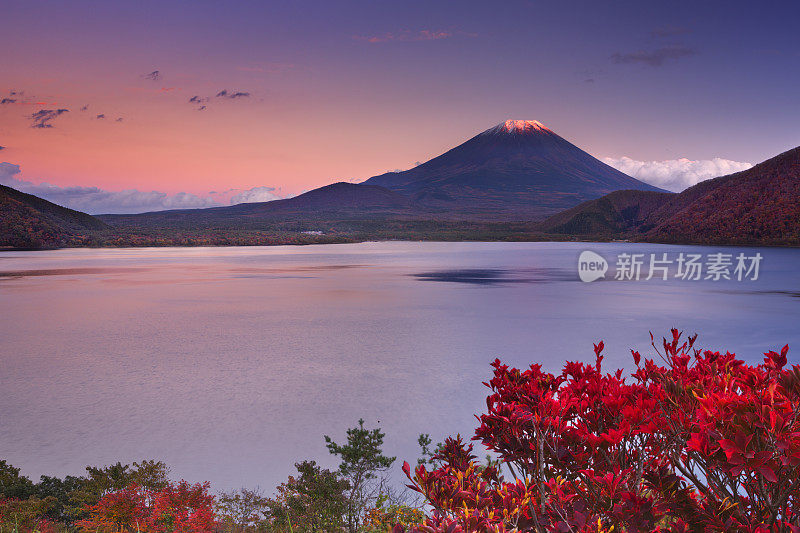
(230, 364)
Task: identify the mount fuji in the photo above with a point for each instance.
(519, 168)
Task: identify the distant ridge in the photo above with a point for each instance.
(336, 200)
(337, 196)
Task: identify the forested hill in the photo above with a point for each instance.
(27, 221)
(760, 205)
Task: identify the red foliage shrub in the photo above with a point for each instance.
(703, 443)
(179, 507)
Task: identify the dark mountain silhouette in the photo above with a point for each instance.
(344, 195)
(615, 213)
(27, 221)
(333, 201)
(760, 205)
(518, 168)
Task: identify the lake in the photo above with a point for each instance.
(230, 364)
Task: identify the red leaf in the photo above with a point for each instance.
(768, 474)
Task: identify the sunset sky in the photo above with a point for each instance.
(290, 96)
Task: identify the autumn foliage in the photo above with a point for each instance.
(178, 507)
(381, 517)
(698, 441)
(23, 516)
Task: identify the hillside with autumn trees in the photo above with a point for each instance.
(758, 206)
(27, 221)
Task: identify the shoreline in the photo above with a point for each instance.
(587, 240)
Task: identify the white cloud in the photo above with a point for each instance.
(256, 194)
(95, 200)
(676, 174)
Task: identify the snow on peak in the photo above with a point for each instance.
(519, 126)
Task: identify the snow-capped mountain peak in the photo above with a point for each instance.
(519, 126)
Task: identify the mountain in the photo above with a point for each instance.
(615, 213)
(27, 221)
(517, 169)
(342, 195)
(760, 205)
(333, 201)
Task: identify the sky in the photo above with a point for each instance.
(112, 106)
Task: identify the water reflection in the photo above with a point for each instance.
(489, 276)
